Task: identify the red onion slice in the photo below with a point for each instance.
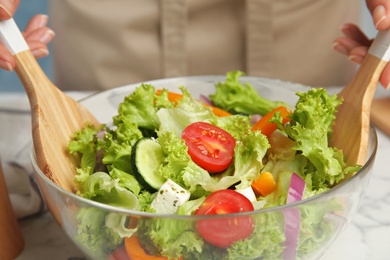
(292, 217)
(296, 188)
(255, 118)
(205, 100)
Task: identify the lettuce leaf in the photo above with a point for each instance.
(310, 127)
(248, 158)
(83, 146)
(241, 98)
(188, 110)
(169, 237)
(93, 234)
(139, 106)
(266, 241)
(101, 187)
(116, 153)
(100, 231)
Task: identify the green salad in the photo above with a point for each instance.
(234, 151)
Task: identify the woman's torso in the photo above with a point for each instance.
(109, 43)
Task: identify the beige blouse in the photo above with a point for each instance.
(102, 44)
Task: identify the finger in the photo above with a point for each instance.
(380, 11)
(385, 77)
(344, 45)
(7, 61)
(8, 8)
(44, 35)
(38, 49)
(353, 31)
(36, 22)
(358, 54)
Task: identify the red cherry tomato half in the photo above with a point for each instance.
(209, 146)
(223, 232)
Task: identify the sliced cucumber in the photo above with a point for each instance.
(146, 158)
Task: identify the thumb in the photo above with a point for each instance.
(380, 11)
(8, 8)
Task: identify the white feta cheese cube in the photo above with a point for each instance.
(169, 197)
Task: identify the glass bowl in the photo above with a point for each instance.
(101, 231)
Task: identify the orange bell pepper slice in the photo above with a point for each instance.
(133, 248)
(136, 252)
(264, 184)
(265, 126)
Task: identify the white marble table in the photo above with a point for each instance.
(367, 238)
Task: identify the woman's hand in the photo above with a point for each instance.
(37, 34)
(355, 43)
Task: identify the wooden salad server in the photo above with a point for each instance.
(55, 116)
(351, 131)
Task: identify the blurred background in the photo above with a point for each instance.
(10, 82)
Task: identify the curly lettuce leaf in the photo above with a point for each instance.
(266, 241)
(176, 156)
(83, 146)
(248, 157)
(241, 98)
(93, 234)
(236, 125)
(318, 225)
(310, 127)
(139, 108)
(101, 232)
(172, 238)
(162, 100)
(116, 154)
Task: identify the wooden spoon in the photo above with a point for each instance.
(351, 131)
(55, 116)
